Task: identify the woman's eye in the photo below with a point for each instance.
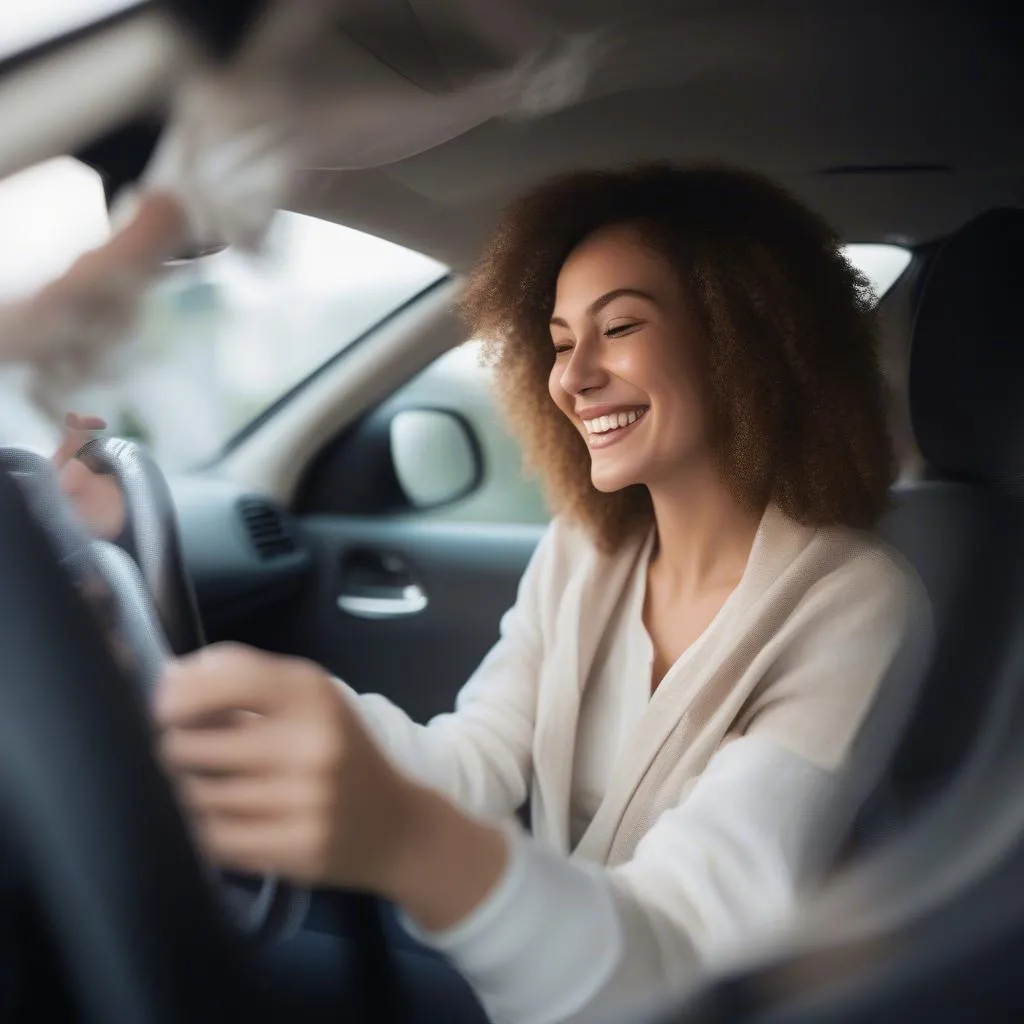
(617, 330)
(561, 347)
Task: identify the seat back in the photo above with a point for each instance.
(963, 540)
(960, 529)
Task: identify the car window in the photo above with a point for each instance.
(223, 337)
(882, 265)
(55, 211)
(220, 338)
(459, 382)
(49, 215)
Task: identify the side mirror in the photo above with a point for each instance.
(435, 455)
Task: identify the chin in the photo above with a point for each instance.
(610, 482)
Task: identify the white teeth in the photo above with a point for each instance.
(613, 421)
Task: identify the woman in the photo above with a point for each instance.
(691, 364)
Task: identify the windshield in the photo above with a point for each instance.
(225, 336)
(220, 338)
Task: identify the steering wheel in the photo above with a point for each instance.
(144, 598)
(89, 821)
(151, 536)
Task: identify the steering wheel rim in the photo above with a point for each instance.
(144, 576)
(151, 536)
(93, 818)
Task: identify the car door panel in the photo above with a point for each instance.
(407, 608)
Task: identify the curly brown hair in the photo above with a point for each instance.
(790, 361)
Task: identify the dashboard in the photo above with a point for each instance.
(242, 550)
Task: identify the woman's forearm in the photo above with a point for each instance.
(447, 863)
(536, 935)
(477, 758)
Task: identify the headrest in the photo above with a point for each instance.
(967, 354)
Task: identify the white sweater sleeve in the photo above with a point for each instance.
(480, 756)
(725, 862)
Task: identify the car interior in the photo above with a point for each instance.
(360, 518)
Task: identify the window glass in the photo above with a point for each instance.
(50, 214)
(220, 338)
(223, 337)
(882, 265)
(458, 382)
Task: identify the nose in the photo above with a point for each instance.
(583, 371)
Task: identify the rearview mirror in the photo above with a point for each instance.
(435, 455)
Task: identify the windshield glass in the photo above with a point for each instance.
(219, 338)
(223, 337)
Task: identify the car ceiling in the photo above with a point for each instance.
(898, 120)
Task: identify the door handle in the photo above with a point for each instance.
(409, 600)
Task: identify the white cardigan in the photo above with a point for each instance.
(716, 808)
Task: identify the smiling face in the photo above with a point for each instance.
(625, 367)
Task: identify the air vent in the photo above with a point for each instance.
(267, 529)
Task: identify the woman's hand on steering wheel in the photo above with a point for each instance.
(280, 777)
(96, 497)
(277, 772)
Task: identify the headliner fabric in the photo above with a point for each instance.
(897, 121)
(967, 354)
(300, 96)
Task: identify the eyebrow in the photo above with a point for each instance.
(599, 303)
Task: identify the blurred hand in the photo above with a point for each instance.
(77, 430)
(96, 497)
(277, 772)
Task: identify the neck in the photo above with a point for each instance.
(704, 535)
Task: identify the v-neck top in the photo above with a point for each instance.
(617, 693)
